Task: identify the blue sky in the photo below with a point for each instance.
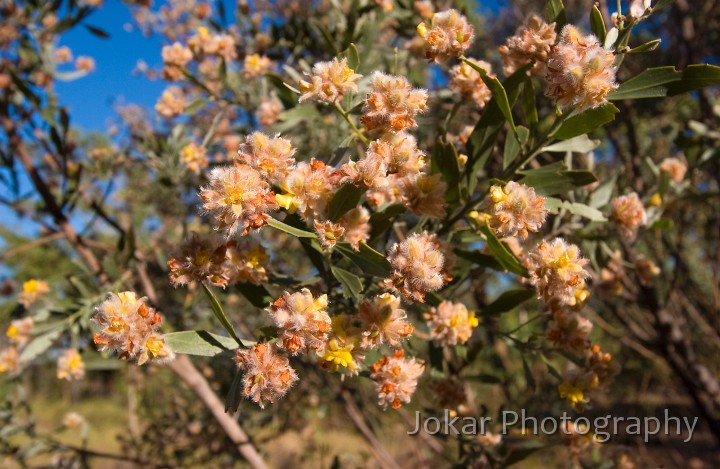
(91, 99)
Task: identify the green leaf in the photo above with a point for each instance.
(480, 259)
(235, 393)
(529, 378)
(484, 136)
(579, 144)
(353, 56)
(555, 13)
(367, 259)
(201, 343)
(586, 122)
(602, 195)
(381, 221)
(352, 285)
(597, 24)
(445, 161)
(39, 345)
(196, 105)
(647, 47)
(298, 233)
(662, 4)
(287, 97)
(556, 179)
(512, 145)
(257, 295)
(529, 106)
(220, 314)
(592, 214)
(666, 81)
(345, 199)
(506, 258)
(508, 301)
(498, 92)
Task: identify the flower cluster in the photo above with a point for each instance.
(394, 171)
(450, 392)
(419, 266)
(569, 330)
(450, 323)
(271, 156)
(18, 334)
(329, 82)
(205, 261)
(598, 372)
(531, 44)
(19, 330)
(32, 290)
(302, 321)
(175, 57)
(383, 321)
(676, 168)
(194, 157)
(629, 215)
(343, 351)
(580, 72)
(449, 34)
(557, 271)
(309, 187)
(220, 45)
(392, 104)
(238, 198)
(468, 82)
(396, 379)
(268, 112)
(256, 65)
(268, 375)
(515, 210)
(171, 103)
(70, 365)
(129, 327)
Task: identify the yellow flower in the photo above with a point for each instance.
(573, 393)
(338, 355)
(655, 200)
(287, 201)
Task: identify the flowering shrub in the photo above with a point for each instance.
(357, 206)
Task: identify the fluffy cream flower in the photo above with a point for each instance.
(580, 72)
(449, 34)
(329, 82)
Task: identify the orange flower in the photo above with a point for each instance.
(396, 379)
(268, 375)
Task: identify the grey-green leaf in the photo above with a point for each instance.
(298, 233)
(201, 343)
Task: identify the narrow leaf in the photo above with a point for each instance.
(352, 285)
(585, 211)
(220, 314)
(345, 199)
(201, 343)
(367, 259)
(298, 233)
(508, 301)
(597, 24)
(586, 122)
(506, 258)
(579, 144)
